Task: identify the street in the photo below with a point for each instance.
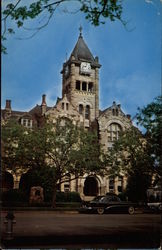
(35, 229)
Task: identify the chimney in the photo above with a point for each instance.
(44, 100)
(43, 105)
(8, 105)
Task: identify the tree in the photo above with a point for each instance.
(150, 118)
(130, 155)
(68, 150)
(63, 149)
(19, 13)
(14, 137)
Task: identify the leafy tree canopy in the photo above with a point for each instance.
(66, 149)
(150, 117)
(14, 137)
(19, 12)
(130, 154)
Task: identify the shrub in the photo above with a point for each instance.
(68, 197)
(15, 195)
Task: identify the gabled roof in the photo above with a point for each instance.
(37, 110)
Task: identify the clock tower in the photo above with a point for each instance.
(80, 81)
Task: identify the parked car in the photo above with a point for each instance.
(108, 203)
(155, 206)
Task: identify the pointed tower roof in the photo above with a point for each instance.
(81, 50)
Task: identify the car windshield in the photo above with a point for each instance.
(110, 199)
(97, 198)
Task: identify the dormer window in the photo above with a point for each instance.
(115, 112)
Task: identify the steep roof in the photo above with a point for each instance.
(81, 50)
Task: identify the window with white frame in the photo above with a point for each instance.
(113, 132)
(26, 122)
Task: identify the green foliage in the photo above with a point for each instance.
(54, 153)
(137, 186)
(15, 195)
(68, 197)
(150, 117)
(95, 11)
(131, 155)
(14, 138)
(38, 176)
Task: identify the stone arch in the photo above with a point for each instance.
(7, 181)
(116, 122)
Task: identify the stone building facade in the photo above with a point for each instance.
(80, 103)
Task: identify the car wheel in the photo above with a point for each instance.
(131, 210)
(100, 210)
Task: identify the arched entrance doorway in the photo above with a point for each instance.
(90, 186)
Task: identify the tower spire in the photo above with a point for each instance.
(80, 29)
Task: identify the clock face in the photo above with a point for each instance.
(85, 67)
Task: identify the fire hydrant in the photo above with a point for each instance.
(9, 221)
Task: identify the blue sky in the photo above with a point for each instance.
(130, 58)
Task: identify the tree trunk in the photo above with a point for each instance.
(54, 196)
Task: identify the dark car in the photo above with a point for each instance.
(108, 203)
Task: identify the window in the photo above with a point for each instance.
(26, 122)
(120, 184)
(67, 106)
(66, 187)
(84, 86)
(87, 112)
(111, 185)
(62, 105)
(90, 86)
(113, 132)
(78, 85)
(80, 109)
(115, 111)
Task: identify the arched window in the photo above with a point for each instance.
(84, 86)
(120, 184)
(90, 86)
(78, 85)
(111, 185)
(113, 132)
(87, 112)
(80, 109)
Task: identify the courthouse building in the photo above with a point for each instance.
(80, 103)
